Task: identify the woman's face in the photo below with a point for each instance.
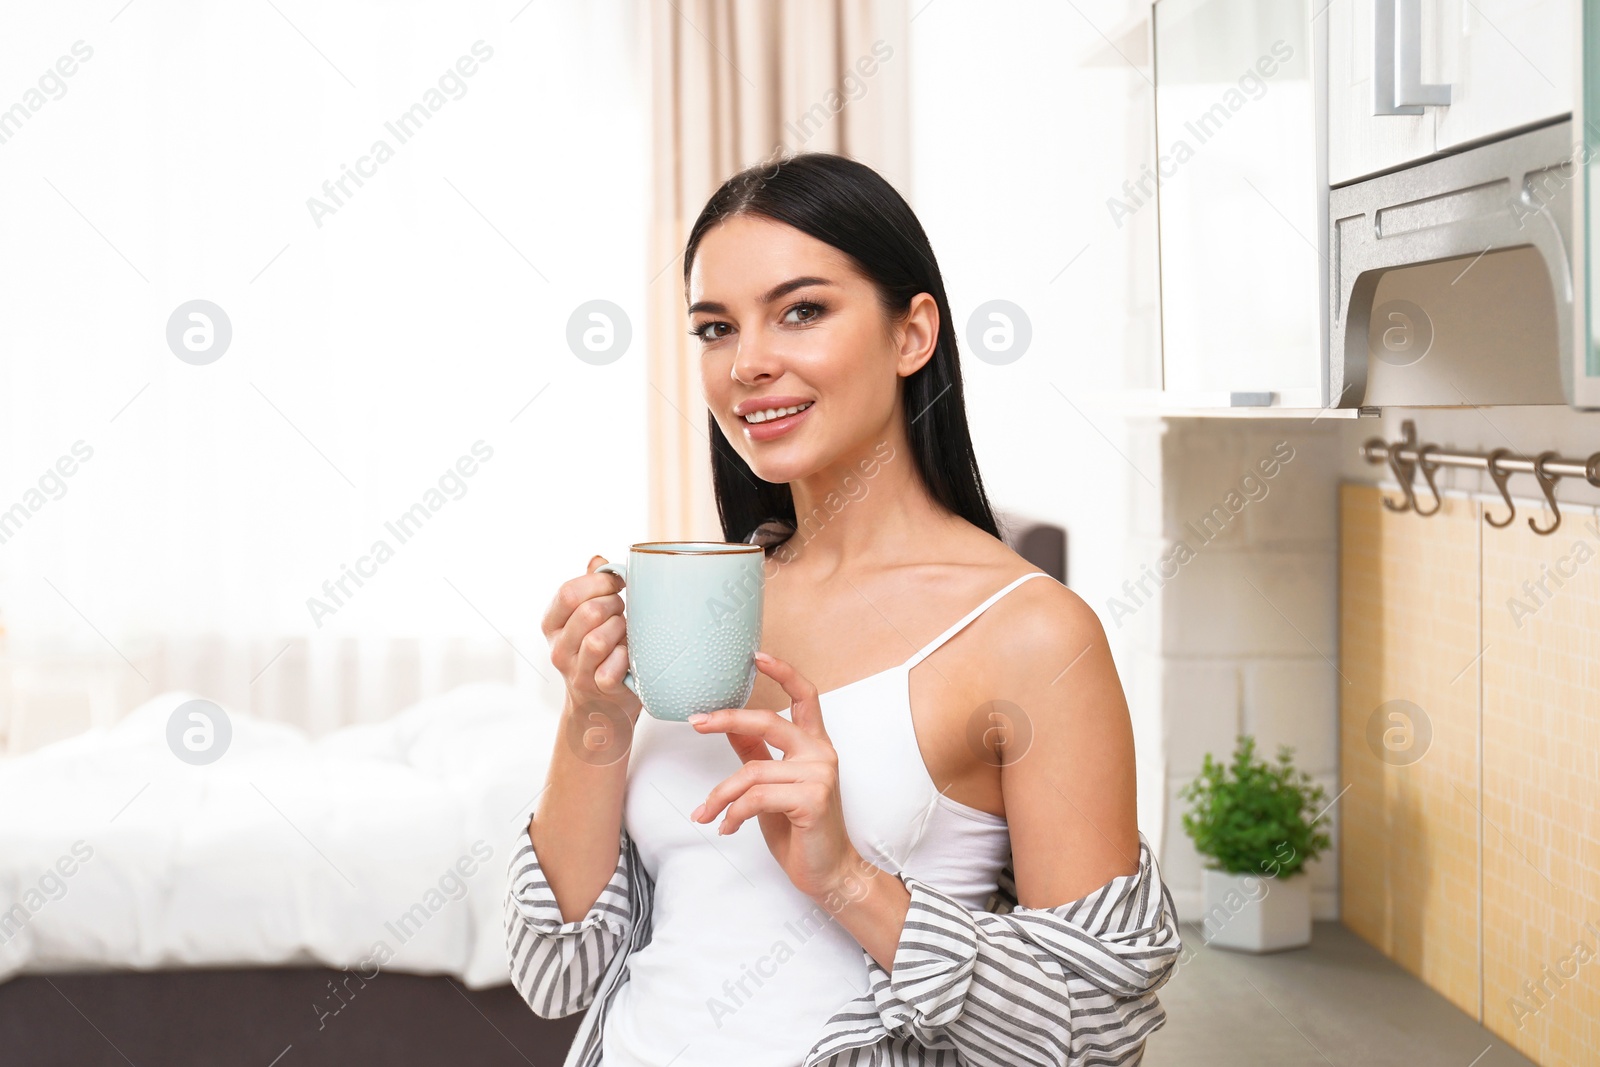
(783, 319)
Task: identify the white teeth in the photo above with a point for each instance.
(775, 413)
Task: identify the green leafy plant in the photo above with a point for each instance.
(1255, 817)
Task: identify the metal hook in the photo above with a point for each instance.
(1402, 474)
(1500, 476)
(1547, 482)
(1427, 476)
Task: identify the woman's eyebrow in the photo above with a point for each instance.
(777, 292)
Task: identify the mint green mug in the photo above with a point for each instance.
(693, 612)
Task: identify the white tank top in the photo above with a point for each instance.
(742, 967)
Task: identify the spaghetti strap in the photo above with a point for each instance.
(933, 645)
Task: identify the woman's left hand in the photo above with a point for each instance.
(796, 798)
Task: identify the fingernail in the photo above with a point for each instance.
(699, 717)
(695, 814)
(764, 656)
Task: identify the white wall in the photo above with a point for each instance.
(371, 348)
(1024, 122)
(1245, 570)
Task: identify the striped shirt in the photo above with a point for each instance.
(1069, 986)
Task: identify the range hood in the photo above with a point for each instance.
(1452, 281)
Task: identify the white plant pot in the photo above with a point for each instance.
(1255, 913)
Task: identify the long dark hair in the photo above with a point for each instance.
(851, 207)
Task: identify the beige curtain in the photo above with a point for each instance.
(734, 83)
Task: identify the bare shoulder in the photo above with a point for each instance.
(1067, 762)
(1038, 633)
(1040, 618)
(1049, 620)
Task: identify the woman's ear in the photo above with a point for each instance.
(918, 334)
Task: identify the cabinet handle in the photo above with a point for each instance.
(1397, 86)
(1409, 90)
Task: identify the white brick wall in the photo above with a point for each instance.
(1200, 711)
(1294, 702)
(1248, 625)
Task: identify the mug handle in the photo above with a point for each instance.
(621, 571)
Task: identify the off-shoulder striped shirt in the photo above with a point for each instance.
(1068, 986)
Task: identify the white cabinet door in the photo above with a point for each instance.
(1240, 219)
(1508, 62)
(1361, 143)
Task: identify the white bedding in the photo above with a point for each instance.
(380, 846)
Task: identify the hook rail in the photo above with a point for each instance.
(1407, 455)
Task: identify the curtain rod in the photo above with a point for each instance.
(1407, 456)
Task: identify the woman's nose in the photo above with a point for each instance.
(753, 361)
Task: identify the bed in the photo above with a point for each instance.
(354, 878)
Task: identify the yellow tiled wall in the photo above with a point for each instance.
(1493, 632)
(1541, 789)
(1408, 622)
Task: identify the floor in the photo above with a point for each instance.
(1337, 1002)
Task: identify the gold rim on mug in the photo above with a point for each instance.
(724, 548)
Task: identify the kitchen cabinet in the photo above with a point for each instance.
(1410, 79)
(1321, 167)
(1359, 142)
(1242, 203)
(1508, 64)
(1582, 370)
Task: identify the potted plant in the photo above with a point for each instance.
(1258, 824)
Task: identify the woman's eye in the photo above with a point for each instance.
(800, 314)
(705, 331)
(792, 315)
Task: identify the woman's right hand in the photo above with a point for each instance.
(588, 640)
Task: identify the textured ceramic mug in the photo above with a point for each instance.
(694, 624)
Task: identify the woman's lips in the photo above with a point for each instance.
(766, 431)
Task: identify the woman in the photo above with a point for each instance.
(944, 724)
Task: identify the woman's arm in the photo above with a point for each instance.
(573, 868)
(1066, 768)
(579, 815)
(1042, 984)
(1045, 987)
(577, 822)
(567, 908)
(556, 963)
